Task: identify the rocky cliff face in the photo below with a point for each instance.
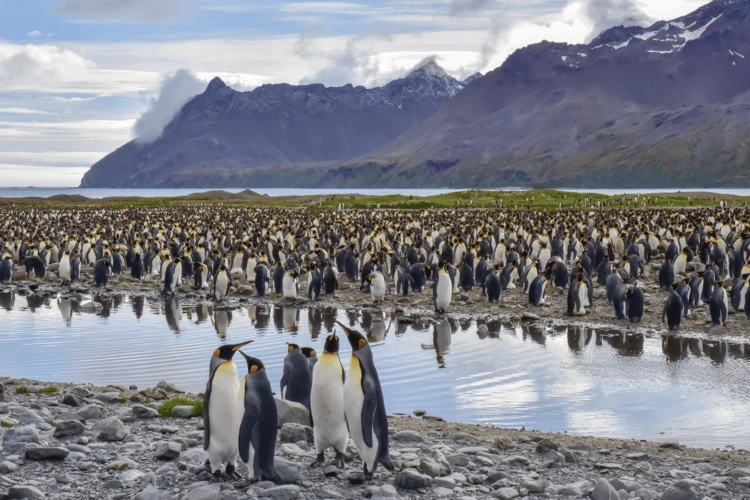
(223, 130)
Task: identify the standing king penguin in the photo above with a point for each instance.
(327, 404)
(365, 408)
(296, 378)
(220, 416)
(258, 419)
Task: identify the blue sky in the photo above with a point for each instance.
(76, 75)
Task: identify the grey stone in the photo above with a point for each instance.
(604, 491)
(288, 471)
(8, 467)
(144, 412)
(68, 428)
(412, 480)
(111, 429)
(290, 412)
(41, 453)
(91, 412)
(27, 492)
(505, 493)
(384, 492)
(546, 445)
(183, 411)
(571, 457)
(114, 484)
(625, 484)
(81, 391)
(292, 433)
(531, 486)
(16, 435)
(169, 387)
(517, 460)
(72, 400)
(738, 472)
(196, 456)
(167, 450)
(107, 397)
(25, 415)
(646, 494)
(408, 437)
(205, 492)
(284, 492)
(681, 490)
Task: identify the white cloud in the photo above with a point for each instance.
(34, 33)
(69, 158)
(139, 11)
(45, 68)
(173, 93)
(12, 175)
(23, 111)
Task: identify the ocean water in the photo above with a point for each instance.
(150, 193)
(576, 379)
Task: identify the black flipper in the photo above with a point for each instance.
(369, 405)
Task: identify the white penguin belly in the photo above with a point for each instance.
(222, 410)
(377, 288)
(289, 287)
(327, 405)
(65, 269)
(444, 292)
(353, 400)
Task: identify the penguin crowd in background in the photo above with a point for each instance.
(241, 417)
(216, 249)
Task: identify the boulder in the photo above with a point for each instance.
(290, 412)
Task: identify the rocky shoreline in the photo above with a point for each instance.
(62, 441)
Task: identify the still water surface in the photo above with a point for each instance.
(575, 379)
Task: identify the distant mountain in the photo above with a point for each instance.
(222, 133)
(667, 105)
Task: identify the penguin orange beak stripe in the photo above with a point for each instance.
(346, 330)
(240, 346)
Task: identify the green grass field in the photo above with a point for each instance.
(538, 199)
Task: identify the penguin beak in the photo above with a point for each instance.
(346, 330)
(237, 347)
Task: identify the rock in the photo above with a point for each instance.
(43, 453)
(646, 494)
(8, 467)
(72, 400)
(531, 486)
(196, 456)
(81, 391)
(111, 429)
(385, 492)
(604, 491)
(169, 387)
(144, 412)
(183, 411)
(167, 450)
(27, 492)
(527, 316)
(671, 443)
(90, 412)
(412, 480)
(205, 492)
(546, 445)
(20, 435)
(483, 331)
(571, 457)
(68, 428)
(154, 393)
(25, 415)
(107, 397)
(516, 460)
(739, 472)
(505, 493)
(288, 471)
(293, 433)
(290, 412)
(284, 492)
(114, 484)
(408, 437)
(681, 490)
(420, 413)
(637, 456)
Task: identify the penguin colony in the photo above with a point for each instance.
(293, 253)
(240, 416)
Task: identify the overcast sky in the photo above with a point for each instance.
(79, 78)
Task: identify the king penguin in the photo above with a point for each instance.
(378, 286)
(258, 419)
(635, 304)
(6, 268)
(673, 310)
(101, 272)
(327, 404)
(220, 416)
(538, 291)
(718, 305)
(222, 283)
(365, 408)
(296, 379)
(442, 291)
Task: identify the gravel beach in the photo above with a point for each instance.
(61, 441)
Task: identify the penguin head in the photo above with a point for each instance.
(332, 344)
(291, 347)
(226, 352)
(253, 364)
(309, 352)
(356, 339)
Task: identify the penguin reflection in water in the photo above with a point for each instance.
(364, 405)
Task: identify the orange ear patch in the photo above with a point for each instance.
(362, 343)
(216, 353)
(254, 368)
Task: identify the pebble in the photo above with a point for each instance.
(167, 450)
(145, 412)
(111, 429)
(68, 428)
(410, 479)
(42, 453)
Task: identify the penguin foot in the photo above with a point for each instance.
(276, 479)
(388, 464)
(232, 473)
(339, 460)
(318, 460)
